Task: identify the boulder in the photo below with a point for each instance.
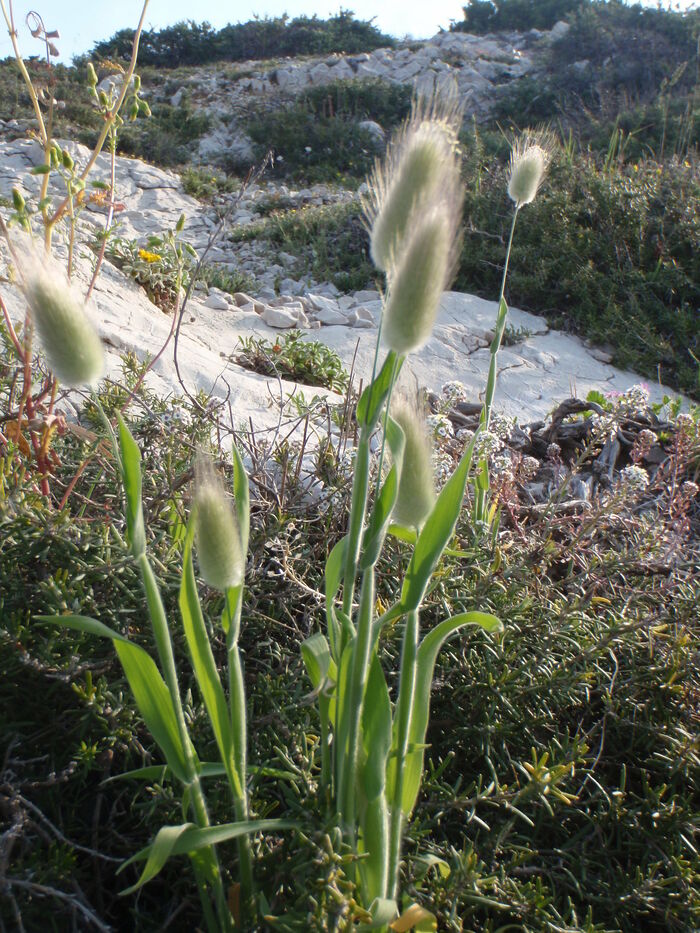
(216, 302)
(281, 318)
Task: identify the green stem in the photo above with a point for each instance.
(240, 740)
(358, 507)
(404, 711)
(500, 328)
(480, 503)
(386, 419)
(166, 656)
(355, 702)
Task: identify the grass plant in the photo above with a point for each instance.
(544, 778)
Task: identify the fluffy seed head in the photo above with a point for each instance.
(528, 163)
(221, 559)
(421, 166)
(423, 271)
(71, 343)
(416, 495)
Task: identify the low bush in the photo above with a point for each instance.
(331, 240)
(293, 357)
(318, 139)
(484, 16)
(190, 43)
(168, 137)
(310, 148)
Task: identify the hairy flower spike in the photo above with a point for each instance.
(421, 167)
(71, 343)
(221, 559)
(528, 163)
(416, 495)
(423, 271)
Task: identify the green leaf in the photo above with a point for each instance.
(131, 477)
(374, 816)
(436, 534)
(204, 665)
(423, 864)
(376, 731)
(150, 773)
(335, 563)
(401, 533)
(187, 838)
(317, 659)
(383, 507)
(40, 170)
(425, 667)
(147, 685)
(160, 851)
(373, 397)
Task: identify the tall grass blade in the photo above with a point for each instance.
(204, 665)
(436, 534)
(149, 689)
(131, 477)
(425, 667)
(188, 838)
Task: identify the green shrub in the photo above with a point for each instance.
(292, 357)
(312, 148)
(366, 99)
(483, 16)
(168, 138)
(332, 239)
(190, 43)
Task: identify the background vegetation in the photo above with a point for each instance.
(191, 43)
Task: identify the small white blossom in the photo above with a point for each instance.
(454, 392)
(634, 478)
(440, 425)
(487, 444)
(502, 426)
(634, 400)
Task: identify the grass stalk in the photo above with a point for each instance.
(355, 702)
(403, 713)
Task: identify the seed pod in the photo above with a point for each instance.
(71, 343)
(422, 273)
(92, 75)
(18, 201)
(416, 495)
(221, 560)
(528, 163)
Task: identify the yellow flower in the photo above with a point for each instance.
(149, 257)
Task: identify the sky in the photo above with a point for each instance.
(81, 23)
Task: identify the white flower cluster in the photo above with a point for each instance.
(453, 392)
(440, 425)
(487, 444)
(603, 428)
(502, 426)
(442, 467)
(529, 466)
(634, 400)
(634, 478)
(686, 424)
(502, 463)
